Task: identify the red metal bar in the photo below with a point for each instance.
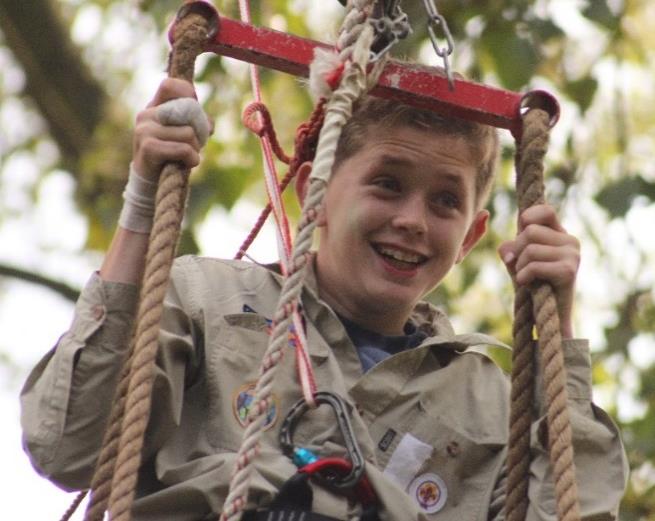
(413, 84)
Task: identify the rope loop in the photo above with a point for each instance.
(257, 119)
(304, 150)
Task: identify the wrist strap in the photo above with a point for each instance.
(138, 203)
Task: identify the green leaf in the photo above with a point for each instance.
(582, 91)
(600, 375)
(647, 391)
(620, 334)
(618, 197)
(162, 11)
(514, 57)
(545, 29)
(502, 357)
(218, 185)
(187, 244)
(213, 67)
(230, 183)
(599, 12)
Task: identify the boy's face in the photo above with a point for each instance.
(397, 215)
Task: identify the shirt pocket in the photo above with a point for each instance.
(234, 354)
(454, 481)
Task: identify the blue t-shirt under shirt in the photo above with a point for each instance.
(373, 347)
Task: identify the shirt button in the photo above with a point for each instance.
(98, 312)
(453, 449)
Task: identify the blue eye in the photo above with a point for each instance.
(447, 200)
(387, 183)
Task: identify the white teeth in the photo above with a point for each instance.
(400, 255)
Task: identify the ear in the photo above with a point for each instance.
(475, 232)
(302, 181)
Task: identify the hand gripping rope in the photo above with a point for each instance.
(115, 477)
(529, 118)
(537, 306)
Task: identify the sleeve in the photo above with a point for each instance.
(600, 460)
(67, 398)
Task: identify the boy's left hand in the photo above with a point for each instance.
(543, 250)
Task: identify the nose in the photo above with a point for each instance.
(411, 216)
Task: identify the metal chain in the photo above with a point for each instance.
(436, 20)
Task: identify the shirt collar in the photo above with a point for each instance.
(428, 318)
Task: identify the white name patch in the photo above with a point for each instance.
(406, 461)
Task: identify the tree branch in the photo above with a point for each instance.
(66, 291)
(70, 99)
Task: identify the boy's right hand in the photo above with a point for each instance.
(155, 143)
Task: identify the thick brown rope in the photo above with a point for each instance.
(522, 392)
(537, 306)
(521, 399)
(116, 473)
(101, 481)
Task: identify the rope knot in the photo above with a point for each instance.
(257, 119)
(305, 144)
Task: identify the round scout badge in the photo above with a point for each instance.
(429, 491)
(243, 400)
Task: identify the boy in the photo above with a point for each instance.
(404, 205)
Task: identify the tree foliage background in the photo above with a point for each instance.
(74, 72)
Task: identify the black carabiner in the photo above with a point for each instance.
(352, 447)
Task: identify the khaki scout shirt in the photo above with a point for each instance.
(432, 421)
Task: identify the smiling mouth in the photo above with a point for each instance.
(400, 259)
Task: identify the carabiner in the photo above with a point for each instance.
(343, 420)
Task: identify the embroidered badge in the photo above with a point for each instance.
(243, 401)
(430, 492)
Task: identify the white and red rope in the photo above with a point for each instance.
(354, 45)
(304, 367)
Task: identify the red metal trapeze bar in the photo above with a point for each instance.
(416, 85)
